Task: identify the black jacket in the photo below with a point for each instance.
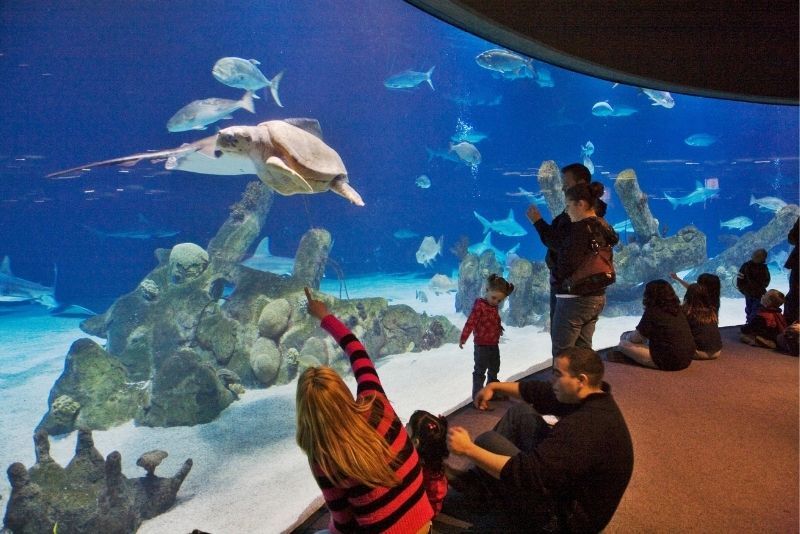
(584, 463)
(753, 279)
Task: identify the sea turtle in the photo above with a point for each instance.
(290, 159)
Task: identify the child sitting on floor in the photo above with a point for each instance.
(428, 433)
(767, 323)
(704, 323)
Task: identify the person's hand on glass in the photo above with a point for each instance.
(316, 308)
(533, 213)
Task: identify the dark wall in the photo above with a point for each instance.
(720, 48)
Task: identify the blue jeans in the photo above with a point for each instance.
(574, 322)
(751, 307)
(487, 361)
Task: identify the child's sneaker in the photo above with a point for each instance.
(764, 342)
(749, 340)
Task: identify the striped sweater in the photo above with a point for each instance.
(353, 506)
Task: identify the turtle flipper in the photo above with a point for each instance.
(283, 179)
(340, 186)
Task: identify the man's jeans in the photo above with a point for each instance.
(574, 322)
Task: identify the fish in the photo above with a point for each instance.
(482, 246)
(602, 109)
(536, 198)
(429, 249)
(471, 136)
(623, 111)
(623, 227)
(199, 114)
(245, 74)
(441, 283)
(587, 149)
(700, 194)
(404, 233)
(543, 77)
(421, 296)
(409, 79)
(15, 290)
(423, 182)
(200, 156)
(145, 230)
(448, 155)
(508, 226)
(773, 204)
(701, 140)
(737, 223)
(470, 99)
(588, 164)
(263, 260)
(659, 98)
(510, 65)
(466, 152)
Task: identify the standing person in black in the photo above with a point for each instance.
(568, 478)
(752, 282)
(790, 308)
(552, 234)
(576, 312)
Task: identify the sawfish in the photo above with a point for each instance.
(200, 156)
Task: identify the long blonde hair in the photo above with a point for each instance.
(335, 435)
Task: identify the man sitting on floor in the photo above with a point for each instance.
(570, 477)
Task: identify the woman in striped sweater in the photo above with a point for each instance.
(359, 452)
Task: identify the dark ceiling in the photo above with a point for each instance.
(738, 49)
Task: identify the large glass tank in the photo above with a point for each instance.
(196, 347)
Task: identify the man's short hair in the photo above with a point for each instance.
(579, 171)
(584, 361)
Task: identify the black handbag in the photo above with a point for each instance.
(596, 271)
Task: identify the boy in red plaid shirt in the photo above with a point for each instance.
(484, 320)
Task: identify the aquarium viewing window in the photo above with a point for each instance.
(173, 174)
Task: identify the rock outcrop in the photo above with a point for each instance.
(89, 495)
(551, 184)
(179, 351)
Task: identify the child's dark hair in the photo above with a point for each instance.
(712, 284)
(428, 433)
(697, 306)
(498, 283)
(659, 294)
(589, 193)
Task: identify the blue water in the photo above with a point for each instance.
(86, 81)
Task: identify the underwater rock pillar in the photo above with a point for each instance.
(550, 183)
(635, 203)
(243, 226)
(27, 509)
(312, 256)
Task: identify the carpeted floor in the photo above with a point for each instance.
(715, 445)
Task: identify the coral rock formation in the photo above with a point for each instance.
(89, 495)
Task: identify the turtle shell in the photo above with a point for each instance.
(304, 152)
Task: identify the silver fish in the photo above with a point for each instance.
(660, 98)
(244, 74)
(200, 113)
(466, 152)
(429, 249)
(737, 223)
(508, 64)
(408, 79)
(768, 203)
